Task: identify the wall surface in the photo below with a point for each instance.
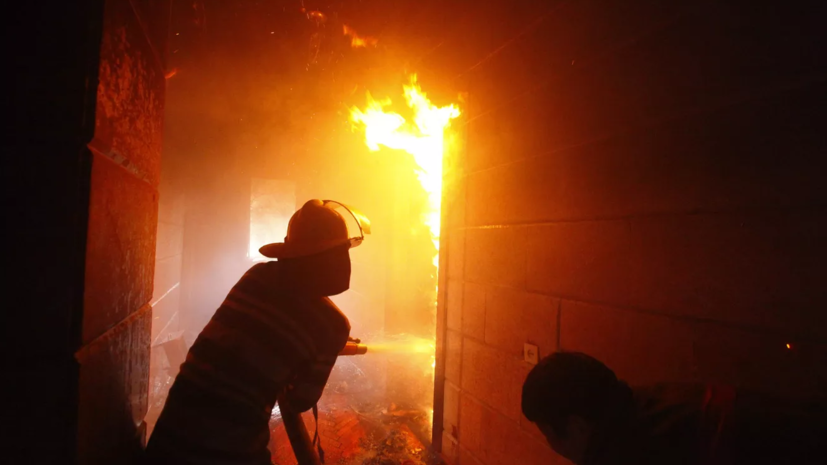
(169, 252)
(121, 238)
(640, 182)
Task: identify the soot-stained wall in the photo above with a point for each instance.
(640, 181)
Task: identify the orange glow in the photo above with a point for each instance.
(789, 346)
(410, 346)
(423, 138)
(316, 16)
(357, 41)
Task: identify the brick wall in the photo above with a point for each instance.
(639, 181)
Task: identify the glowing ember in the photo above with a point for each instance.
(423, 138)
(357, 41)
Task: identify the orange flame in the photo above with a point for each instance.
(357, 41)
(423, 138)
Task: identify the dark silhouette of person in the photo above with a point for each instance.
(591, 417)
(275, 336)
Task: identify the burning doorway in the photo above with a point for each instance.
(381, 406)
(233, 118)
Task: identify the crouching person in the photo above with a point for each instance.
(591, 417)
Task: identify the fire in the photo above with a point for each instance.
(423, 137)
(357, 41)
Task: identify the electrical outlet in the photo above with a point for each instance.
(531, 353)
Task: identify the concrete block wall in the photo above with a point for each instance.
(639, 181)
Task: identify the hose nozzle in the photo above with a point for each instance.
(353, 348)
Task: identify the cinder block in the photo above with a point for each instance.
(454, 305)
(640, 348)
(526, 127)
(493, 376)
(470, 423)
(587, 260)
(120, 248)
(453, 357)
(496, 256)
(450, 416)
(130, 98)
(503, 442)
(612, 175)
(467, 458)
(454, 201)
(561, 43)
(513, 318)
(763, 270)
(456, 253)
(473, 311)
(114, 370)
(474, 33)
(450, 449)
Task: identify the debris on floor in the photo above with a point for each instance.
(361, 434)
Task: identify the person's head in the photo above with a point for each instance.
(570, 396)
(315, 253)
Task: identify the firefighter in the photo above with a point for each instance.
(276, 334)
(591, 418)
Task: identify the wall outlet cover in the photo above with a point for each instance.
(531, 353)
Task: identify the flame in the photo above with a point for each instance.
(423, 138)
(357, 41)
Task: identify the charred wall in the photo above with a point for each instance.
(641, 181)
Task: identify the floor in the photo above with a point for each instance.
(352, 435)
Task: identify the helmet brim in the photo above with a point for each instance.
(287, 250)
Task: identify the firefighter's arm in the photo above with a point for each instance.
(307, 387)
